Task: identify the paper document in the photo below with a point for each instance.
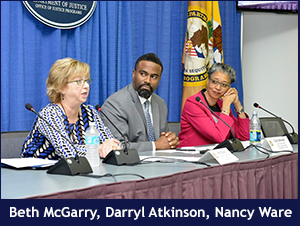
(27, 162)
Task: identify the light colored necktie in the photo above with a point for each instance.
(149, 123)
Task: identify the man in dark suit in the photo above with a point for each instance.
(128, 111)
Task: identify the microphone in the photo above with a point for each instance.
(232, 145)
(117, 157)
(66, 166)
(293, 137)
(98, 108)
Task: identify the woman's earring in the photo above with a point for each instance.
(62, 96)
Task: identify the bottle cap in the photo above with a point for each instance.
(92, 123)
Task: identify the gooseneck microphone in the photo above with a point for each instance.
(232, 145)
(117, 157)
(293, 137)
(65, 166)
(99, 109)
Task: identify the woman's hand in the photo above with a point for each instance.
(231, 96)
(107, 146)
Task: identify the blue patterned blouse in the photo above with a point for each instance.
(45, 142)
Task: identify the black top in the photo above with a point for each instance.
(213, 108)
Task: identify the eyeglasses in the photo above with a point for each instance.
(80, 82)
(215, 82)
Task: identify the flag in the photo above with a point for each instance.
(203, 45)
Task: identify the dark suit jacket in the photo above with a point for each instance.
(124, 109)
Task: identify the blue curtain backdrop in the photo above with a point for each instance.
(110, 42)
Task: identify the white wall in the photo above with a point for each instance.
(270, 64)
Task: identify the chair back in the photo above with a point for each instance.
(12, 142)
(174, 127)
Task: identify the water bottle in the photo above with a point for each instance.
(255, 129)
(92, 142)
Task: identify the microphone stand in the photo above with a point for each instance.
(120, 157)
(233, 145)
(292, 137)
(66, 166)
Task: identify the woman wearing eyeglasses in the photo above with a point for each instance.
(68, 86)
(199, 126)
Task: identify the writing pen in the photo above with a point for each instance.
(179, 149)
(201, 152)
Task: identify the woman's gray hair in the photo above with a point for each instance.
(224, 68)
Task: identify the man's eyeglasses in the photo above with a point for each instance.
(80, 82)
(215, 82)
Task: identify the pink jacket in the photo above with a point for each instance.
(198, 126)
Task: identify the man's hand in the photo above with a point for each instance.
(167, 140)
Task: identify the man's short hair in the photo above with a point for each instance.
(149, 57)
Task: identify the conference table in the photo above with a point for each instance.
(166, 174)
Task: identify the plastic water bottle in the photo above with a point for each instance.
(92, 142)
(255, 129)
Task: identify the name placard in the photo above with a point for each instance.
(221, 155)
(61, 14)
(279, 143)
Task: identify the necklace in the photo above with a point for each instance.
(72, 125)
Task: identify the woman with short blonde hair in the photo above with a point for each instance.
(59, 73)
(68, 86)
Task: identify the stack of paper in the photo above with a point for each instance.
(19, 163)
